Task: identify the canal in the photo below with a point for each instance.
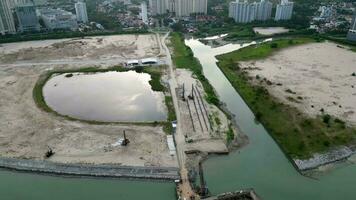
(261, 164)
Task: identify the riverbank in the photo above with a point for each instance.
(82, 170)
(299, 135)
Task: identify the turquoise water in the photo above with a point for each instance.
(261, 164)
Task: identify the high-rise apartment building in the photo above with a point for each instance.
(185, 8)
(284, 10)
(144, 16)
(27, 18)
(242, 12)
(351, 35)
(245, 12)
(7, 24)
(182, 8)
(81, 12)
(58, 19)
(263, 10)
(159, 7)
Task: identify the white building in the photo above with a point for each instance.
(159, 7)
(27, 18)
(81, 12)
(351, 35)
(185, 8)
(284, 10)
(58, 19)
(245, 12)
(144, 16)
(263, 10)
(7, 23)
(242, 12)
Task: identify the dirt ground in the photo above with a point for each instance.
(199, 125)
(26, 131)
(317, 76)
(270, 30)
(91, 50)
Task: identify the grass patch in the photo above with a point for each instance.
(298, 135)
(183, 57)
(230, 136)
(171, 115)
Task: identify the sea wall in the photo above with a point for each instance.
(113, 171)
(322, 159)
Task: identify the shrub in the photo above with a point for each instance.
(274, 45)
(326, 118)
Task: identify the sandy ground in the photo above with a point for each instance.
(116, 49)
(206, 135)
(26, 131)
(270, 30)
(318, 76)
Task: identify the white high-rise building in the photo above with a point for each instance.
(159, 7)
(27, 18)
(187, 7)
(284, 10)
(263, 10)
(242, 12)
(7, 24)
(144, 16)
(81, 12)
(351, 35)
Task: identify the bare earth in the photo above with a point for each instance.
(26, 131)
(270, 30)
(318, 75)
(90, 50)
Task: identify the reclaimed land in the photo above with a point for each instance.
(155, 82)
(299, 136)
(183, 58)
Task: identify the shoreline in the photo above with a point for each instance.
(322, 159)
(317, 159)
(90, 170)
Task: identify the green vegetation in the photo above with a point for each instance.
(171, 115)
(62, 35)
(183, 58)
(298, 135)
(230, 136)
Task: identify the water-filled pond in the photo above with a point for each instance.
(105, 97)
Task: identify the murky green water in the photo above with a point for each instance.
(262, 165)
(106, 97)
(22, 186)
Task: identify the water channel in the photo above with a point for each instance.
(261, 164)
(105, 97)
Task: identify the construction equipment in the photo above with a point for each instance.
(49, 152)
(126, 141)
(183, 93)
(191, 96)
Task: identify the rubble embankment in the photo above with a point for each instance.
(107, 170)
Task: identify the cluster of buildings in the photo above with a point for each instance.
(181, 8)
(245, 12)
(335, 17)
(24, 16)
